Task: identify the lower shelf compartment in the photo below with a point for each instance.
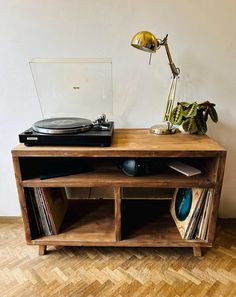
(91, 222)
(86, 221)
(149, 221)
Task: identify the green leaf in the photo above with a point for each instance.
(213, 114)
(185, 104)
(205, 114)
(190, 125)
(201, 124)
(191, 111)
(177, 115)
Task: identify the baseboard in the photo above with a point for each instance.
(6, 219)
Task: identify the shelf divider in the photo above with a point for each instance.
(117, 195)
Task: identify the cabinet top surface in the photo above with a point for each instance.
(136, 142)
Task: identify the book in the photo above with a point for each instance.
(184, 168)
(185, 209)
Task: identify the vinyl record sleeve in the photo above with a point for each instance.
(56, 205)
(183, 206)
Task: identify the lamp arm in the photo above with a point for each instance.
(175, 70)
(171, 94)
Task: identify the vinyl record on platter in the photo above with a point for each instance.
(65, 125)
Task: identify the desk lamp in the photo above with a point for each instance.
(146, 41)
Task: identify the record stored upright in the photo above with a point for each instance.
(120, 221)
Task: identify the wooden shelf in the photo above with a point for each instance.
(128, 221)
(134, 143)
(96, 179)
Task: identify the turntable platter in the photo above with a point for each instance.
(65, 125)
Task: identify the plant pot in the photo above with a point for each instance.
(181, 129)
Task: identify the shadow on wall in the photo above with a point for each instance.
(224, 134)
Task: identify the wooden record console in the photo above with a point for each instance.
(118, 220)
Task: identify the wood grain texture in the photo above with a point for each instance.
(22, 201)
(102, 224)
(86, 221)
(93, 223)
(108, 272)
(117, 195)
(135, 143)
(118, 179)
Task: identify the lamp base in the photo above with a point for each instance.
(162, 130)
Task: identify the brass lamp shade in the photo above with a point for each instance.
(145, 41)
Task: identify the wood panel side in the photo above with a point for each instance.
(117, 194)
(216, 198)
(210, 167)
(21, 195)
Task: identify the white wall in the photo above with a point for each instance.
(201, 37)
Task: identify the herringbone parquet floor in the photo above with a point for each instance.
(120, 272)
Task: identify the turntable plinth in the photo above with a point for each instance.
(117, 210)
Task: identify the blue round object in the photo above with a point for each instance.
(129, 167)
(183, 203)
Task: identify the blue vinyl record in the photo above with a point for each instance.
(183, 203)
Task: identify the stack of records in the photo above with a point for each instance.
(190, 209)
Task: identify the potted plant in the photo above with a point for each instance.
(192, 117)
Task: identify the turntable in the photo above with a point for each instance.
(69, 131)
(71, 92)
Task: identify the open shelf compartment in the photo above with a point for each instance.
(148, 220)
(86, 220)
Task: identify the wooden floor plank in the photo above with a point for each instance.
(93, 271)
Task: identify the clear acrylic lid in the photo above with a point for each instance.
(73, 87)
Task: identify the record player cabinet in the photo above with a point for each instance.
(120, 221)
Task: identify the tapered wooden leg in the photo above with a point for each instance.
(197, 252)
(42, 250)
